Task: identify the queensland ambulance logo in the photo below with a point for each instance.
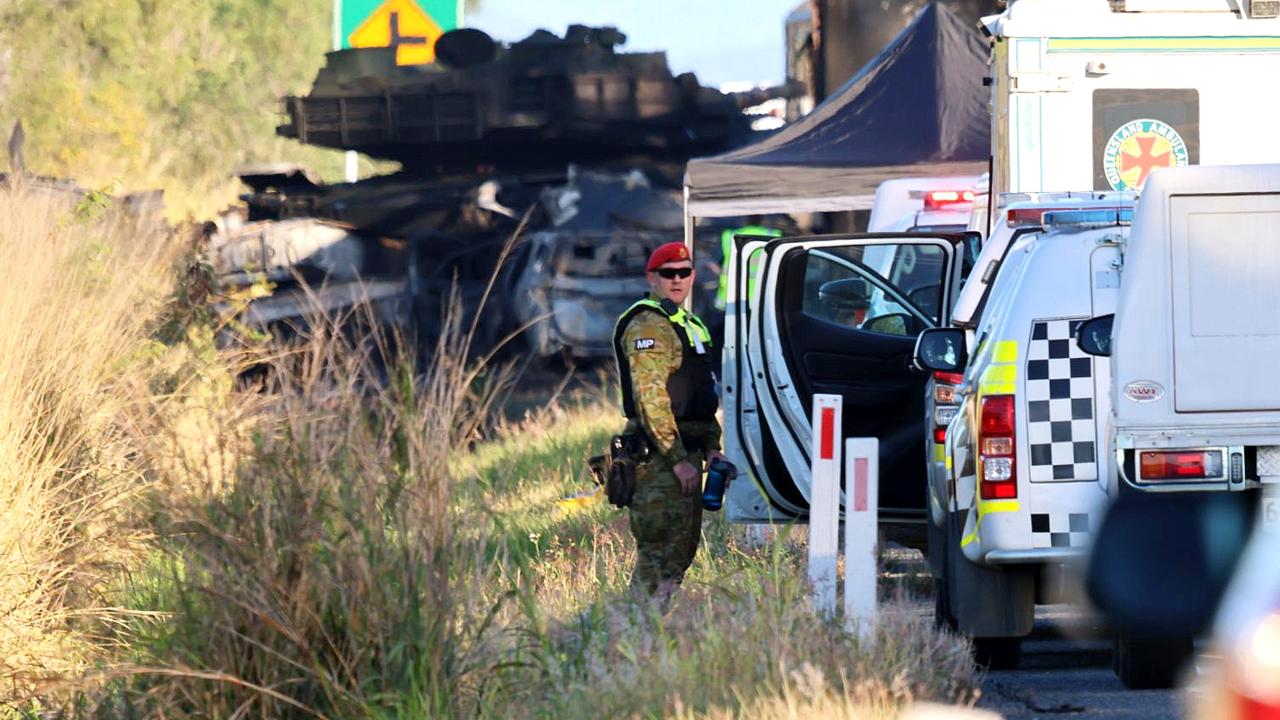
(1137, 148)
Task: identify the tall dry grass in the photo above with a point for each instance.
(340, 543)
(81, 292)
(308, 563)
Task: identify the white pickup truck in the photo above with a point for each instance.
(1195, 405)
(1196, 336)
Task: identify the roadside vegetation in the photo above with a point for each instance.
(348, 539)
(139, 94)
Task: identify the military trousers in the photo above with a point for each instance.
(666, 524)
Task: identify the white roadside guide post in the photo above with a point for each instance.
(861, 522)
(861, 469)
(824, 500)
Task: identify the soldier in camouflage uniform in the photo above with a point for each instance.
(668, 395)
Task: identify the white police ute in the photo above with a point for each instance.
(1027, 470)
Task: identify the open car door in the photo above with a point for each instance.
(837, 315)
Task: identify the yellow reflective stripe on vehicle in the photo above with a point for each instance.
(998, 380)
(948, 459)
(1164, 44)
(939, 452)
(1007, 351)
(985, 508)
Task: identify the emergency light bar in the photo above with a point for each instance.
(1033, 216)
(1102, 217)
(939, 199)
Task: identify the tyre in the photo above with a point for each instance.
(998, 653)
(942, 617)
(1144, 663)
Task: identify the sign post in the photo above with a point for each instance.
(861, 517)
(410, 26)
(824, 500)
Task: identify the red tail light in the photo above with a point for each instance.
(944, 400)
(997, 444)
(997, 415)
(1251, 709)
(1180, 465)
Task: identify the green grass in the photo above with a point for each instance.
(143, 94)
(340, 548)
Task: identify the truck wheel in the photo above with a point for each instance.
(998, 653)
(1144, 663)
(937, 553)
(942, 617)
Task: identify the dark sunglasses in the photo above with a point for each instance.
(673, 273)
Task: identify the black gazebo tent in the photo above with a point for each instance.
(919, 108)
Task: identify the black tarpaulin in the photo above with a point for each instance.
(918, 108)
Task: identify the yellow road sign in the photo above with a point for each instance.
(401, 24)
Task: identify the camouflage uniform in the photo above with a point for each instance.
(666, 523)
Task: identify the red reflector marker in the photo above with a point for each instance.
(860, 468)
(1000, 490)
(828, 433)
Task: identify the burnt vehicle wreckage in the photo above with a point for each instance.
(566, 143)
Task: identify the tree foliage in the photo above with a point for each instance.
(153, 93)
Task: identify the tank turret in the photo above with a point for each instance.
(537, 103)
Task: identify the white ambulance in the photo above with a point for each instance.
(1026, 472)
(1098, 93)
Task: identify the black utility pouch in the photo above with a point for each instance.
(626, 451)
(620, 488)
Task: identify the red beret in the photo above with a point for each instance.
(671, 252)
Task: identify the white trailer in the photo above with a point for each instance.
(1098, 93)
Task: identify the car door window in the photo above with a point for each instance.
(899, 292)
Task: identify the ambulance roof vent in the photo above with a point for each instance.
(1174, 6)
(1264, 8)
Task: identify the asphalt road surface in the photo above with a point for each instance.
(1066, 673)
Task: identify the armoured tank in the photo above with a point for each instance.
(542, 102)
(494, 141)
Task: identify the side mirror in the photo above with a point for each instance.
(1161, 562)
(941, 350)
(1094, 335)
(846, 295)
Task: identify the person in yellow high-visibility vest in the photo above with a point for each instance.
(753, 228)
